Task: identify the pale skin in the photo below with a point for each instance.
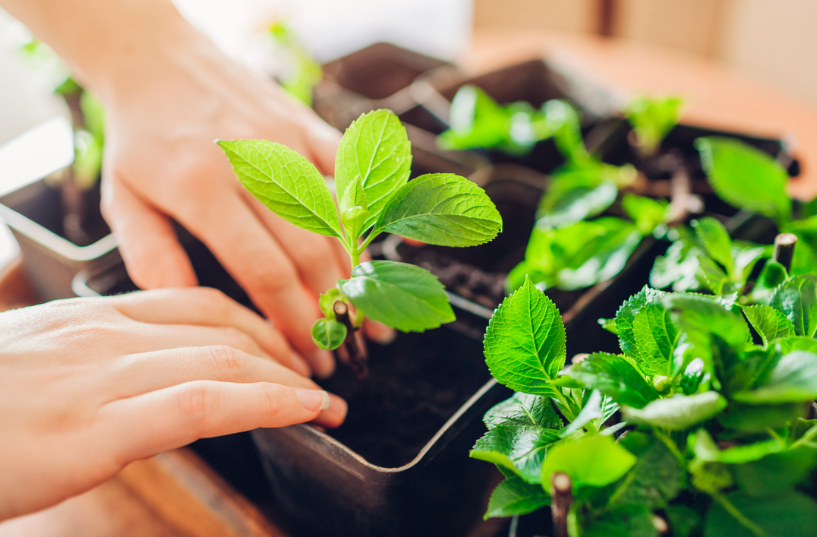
(168, 93)
(90, 385)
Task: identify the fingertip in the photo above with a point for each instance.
(380, 333)
(335, 415)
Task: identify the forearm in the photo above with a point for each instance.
(106, 40)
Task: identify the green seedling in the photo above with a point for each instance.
(374, 197)
(705, 399)
(304, 72)
(652, 118)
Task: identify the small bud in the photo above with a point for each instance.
(353, 220)
(661, 383)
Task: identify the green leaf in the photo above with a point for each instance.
(797, 300)
(715, 335)
(771, 275)
(770, 323)
(327, 302)
(575, 196)
(563, 121)
(678, 412)
(797, 344)
(523, 409)
(354, 196)
(759, 418)
(775, 473)
(745, 177)
(616, 377)
(787, 515)
(683, 520)
(712, 276)
(647, 213)
(516, 497)
(328, 334)
(285, 182)
(679, 267)
(354, 210)
(477, 121)
(519, 448)
(525, 341)
(656, 337)
(706, 449)
(593, 461)
(716, 240)
(625, 319)
(628, 521)
(655, 479)
(793, 379)
(376, 149)
(399, 295)
(442, 209)
(609, 325)
(652, 119)
(596, 407)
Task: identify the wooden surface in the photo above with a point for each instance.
(717, 97)
(176, 495)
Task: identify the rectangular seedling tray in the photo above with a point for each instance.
(398, 466)
(34, 213)
(534, 82)
(378, 76)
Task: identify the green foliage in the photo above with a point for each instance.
(577, 256)
(616, 377)
(796, 298)
(514, 496)
(402, 296)
(678, 412)
(525, 341)
(285, 182)
(655, 478)
(523, 409)
(519, 448)
(745, 177)
(328, 333)
(442, 209)
(592, 461)
(652, 119)
(769, 323)
(373, 165)
(304, 72)
(793, 379)
(574, 197)
(739, 515)
(376, 149)
(477, 121)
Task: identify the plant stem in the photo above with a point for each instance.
(664, 437)
(740, 517)
(562, 487)
(784, 249)
(355, 355)
(811, 433)
(368, 240)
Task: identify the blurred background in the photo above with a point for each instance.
(767, 40)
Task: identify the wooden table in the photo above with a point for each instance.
(176, 495)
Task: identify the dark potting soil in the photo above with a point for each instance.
(485, 288)
(414, 386)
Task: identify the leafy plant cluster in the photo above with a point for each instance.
(701, 425)
(570, 248)
(87, 115)
(703, 257)
(374, 196)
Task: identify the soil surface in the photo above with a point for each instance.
(414, 386)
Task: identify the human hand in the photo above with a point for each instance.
(90, 385)
(161, 163)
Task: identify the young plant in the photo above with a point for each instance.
(707, 258)
(715, 439)
(375, 196)
(652, 119)
(302, 72)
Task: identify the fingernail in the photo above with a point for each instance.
(323, 363)
(300, 365)
(313, 399)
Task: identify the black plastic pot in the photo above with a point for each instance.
(378, 76)
(34, 213)
(534, 82)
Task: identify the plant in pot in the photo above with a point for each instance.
(753, 182)
(702, 425)
(390, 421)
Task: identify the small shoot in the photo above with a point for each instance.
(652, 118)
(375, 196)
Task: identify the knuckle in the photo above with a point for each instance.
(274, 407)
(213, 300)
(197, 402)
(229, 364)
